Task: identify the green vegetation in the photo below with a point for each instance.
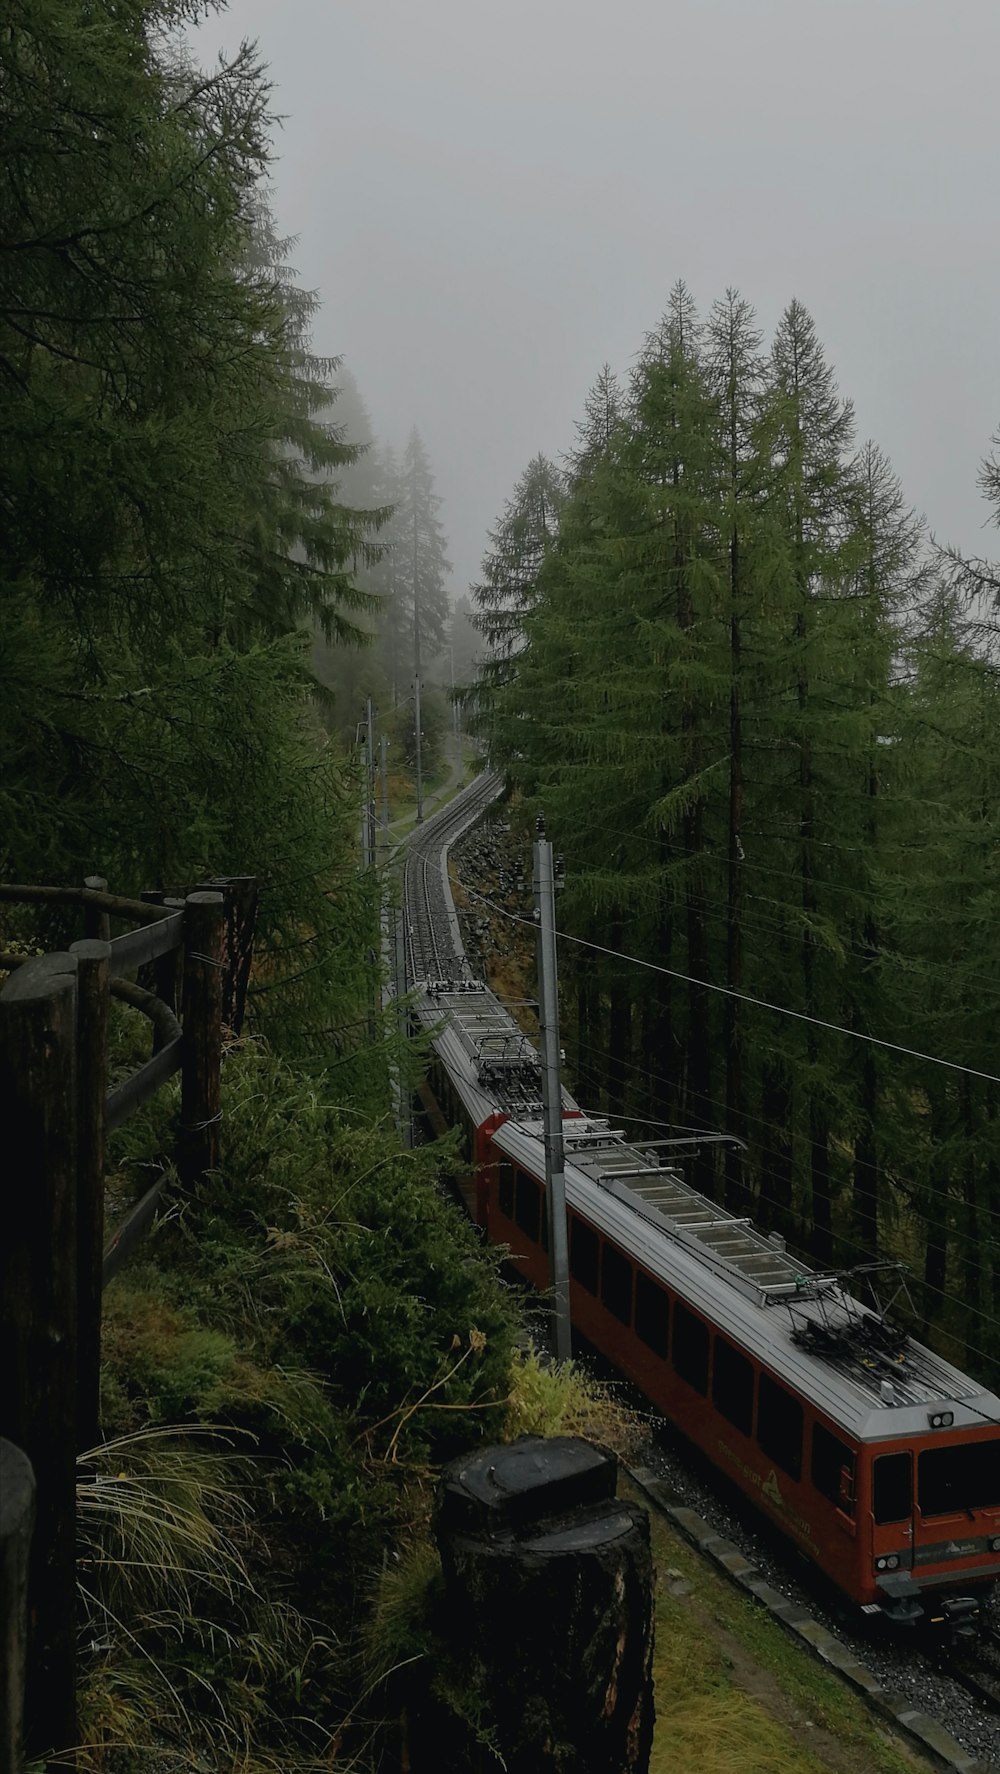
(322, 1322)
(761, 716)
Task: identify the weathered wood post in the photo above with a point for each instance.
(549, 1593)
(17, 1516)
(96, 923)
(93, 961)
(240, 900)
(202, 1024)
(170, 973)
(38, 1324)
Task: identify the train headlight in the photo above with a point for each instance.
(889, 1563)
(995, 1543)
(941, 1419)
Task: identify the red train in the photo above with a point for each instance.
(877, 1458)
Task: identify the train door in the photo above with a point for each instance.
(892, 1514)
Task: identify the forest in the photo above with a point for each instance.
(302, 1341)
(760, 710)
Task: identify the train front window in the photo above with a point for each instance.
(952, 1480)
(506, 1188)
(893, 1489)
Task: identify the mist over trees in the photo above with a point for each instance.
(410, 623)
(761, 714)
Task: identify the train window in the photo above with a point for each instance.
(652, 1314)
(893, 1498)
(690, 1348)
(616, 1283)
(833, 1468)
(528, 1205)
(583, 1252)
(506, 1188)
(952, 1480)
(732, 1385)
(779, 1426)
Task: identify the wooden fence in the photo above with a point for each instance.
(56, 1110)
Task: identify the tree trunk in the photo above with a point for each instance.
(733, 1035)
(549, 1593)
(866, 1165)
(777, 1155)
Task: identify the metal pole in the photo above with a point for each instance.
(548, 1018)
(384, 772)
(403, 1107)
(370, 779)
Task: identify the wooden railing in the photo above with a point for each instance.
(56, 1111)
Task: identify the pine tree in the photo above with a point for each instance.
(420, 567)
(736, 370)
(810, 432)
(603, 413)
(525, 532)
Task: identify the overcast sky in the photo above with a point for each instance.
(493, 198)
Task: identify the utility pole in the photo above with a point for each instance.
(548, 1018)
(370, 779)
(455, 745)
(361, 734)
(368, 832)
(416, 653)
(384, 774)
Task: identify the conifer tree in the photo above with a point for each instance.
(420, 566)
(810, 431)
(736, 370)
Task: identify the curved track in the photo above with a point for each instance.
(433, 946)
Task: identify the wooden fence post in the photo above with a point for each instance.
(95, 922)
(240, 899)
(92, 1002)
(38, 1349)
(202, 1024)
(17, 1515)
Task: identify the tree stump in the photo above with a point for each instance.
(549, 1593)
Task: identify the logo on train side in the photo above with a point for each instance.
(771, 1488)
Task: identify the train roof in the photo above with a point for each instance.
(490, 1060)
(805, 1327)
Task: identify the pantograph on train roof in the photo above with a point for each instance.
(503, 1059)
(862, 1339)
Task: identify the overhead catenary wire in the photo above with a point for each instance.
(707, 985)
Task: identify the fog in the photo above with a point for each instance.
(492, 199)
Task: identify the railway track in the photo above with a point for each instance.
(433, 945)
(975, 1665)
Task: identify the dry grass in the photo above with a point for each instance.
(550, 1398)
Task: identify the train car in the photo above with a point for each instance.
(483, 1069)
(876, 1458)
